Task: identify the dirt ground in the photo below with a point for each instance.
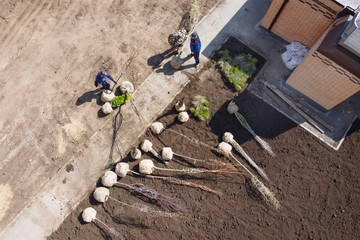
(50, 53)
(318, 188)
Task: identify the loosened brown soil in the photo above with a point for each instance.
(318, 188)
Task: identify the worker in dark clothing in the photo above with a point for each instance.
(195, 47)
(101, 78)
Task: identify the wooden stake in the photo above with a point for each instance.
(124, 68)
(314, 116)
(304, 115)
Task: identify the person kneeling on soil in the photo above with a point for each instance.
(101, 79)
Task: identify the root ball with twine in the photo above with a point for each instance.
(268, 196)
(233, 109)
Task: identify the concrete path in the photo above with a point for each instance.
(78, 177)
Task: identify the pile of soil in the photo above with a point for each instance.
(318, 188)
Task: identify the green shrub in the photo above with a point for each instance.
(238, 69)
(200, 108)
(120, 100)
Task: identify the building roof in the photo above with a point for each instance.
(351, 3)
(329, 46)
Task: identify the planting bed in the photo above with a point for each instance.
(318, 188)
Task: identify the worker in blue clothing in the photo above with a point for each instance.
(101, 78)
(195, 47)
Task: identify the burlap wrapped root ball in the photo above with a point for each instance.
(167, 154)
(121, 169)
(180, 106)
(225, 148)
(107, 96)
(228, 137)
(89, 214)
(135, 154)
(176, 62)
(146, 166)
(232, 107)
(109, 179)
(157, 127)
(106, 108)
(146, 145)
(126, 87)
(183, 117)
(101, 194)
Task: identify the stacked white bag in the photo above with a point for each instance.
(293, 55)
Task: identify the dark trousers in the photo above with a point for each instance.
(196, 56)
(105, 84)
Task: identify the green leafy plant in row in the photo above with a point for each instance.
(120, 100)
(200, 108)
(238, 69)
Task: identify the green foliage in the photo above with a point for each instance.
(200, 108)
(120, 100)
(238, 69)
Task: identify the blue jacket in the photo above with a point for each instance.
(102, 80)
(195, 45)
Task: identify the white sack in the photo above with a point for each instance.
(295, 60)
(295, 46)
(287, 55)
(106, 108)
(107, 96)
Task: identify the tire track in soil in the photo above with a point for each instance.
(27, 27)
(19, 23)
(21, 32)
(40, 147)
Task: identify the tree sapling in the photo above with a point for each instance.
(229, 138)
(109, 179)
(147, 166)
(122, 169)
(102, 194)
(89, 215)
(233, 109)
(146, 146)
(269, 197)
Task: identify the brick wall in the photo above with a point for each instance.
(323, 81)
(301, 20)
(271, 13)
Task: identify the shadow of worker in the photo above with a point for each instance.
(167, 69)
(156, 60)
(89, 96)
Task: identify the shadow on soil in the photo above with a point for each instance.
(354, 128)
(89, 96)
(115, 145)
(156, 60)
(167, 69)
(263, 119)
(258, 114)
(124, 220)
